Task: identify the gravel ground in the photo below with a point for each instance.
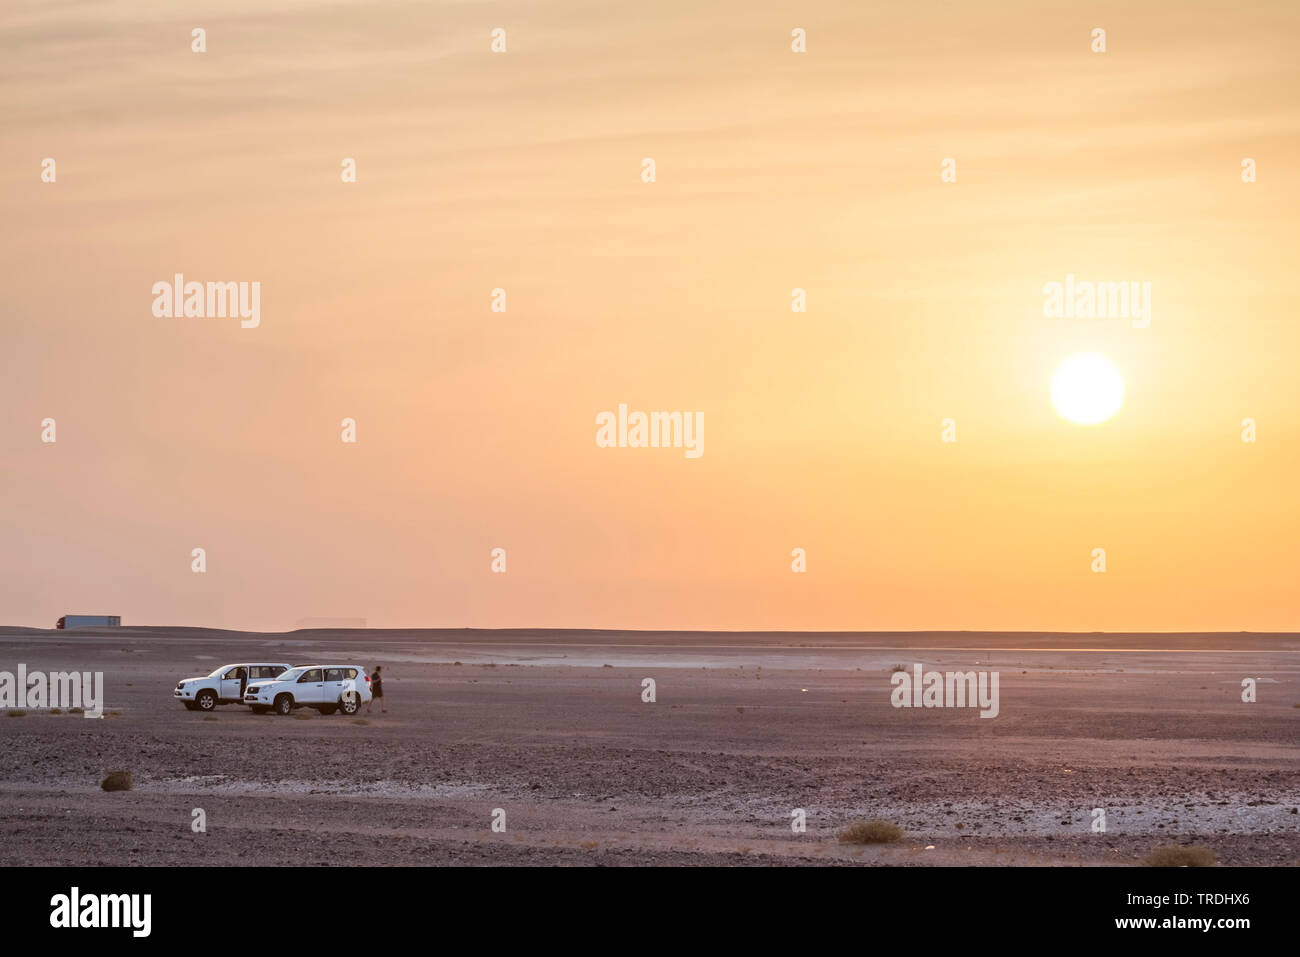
(550, 728)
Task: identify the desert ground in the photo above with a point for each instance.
(550, 727)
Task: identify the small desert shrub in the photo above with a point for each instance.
(871, 832)
(209, 717)
(361, 721)
(17, 713)
(302, 716)
(1174, 856)
(76, 711)
(56, 711)
(898, 668)
(117, 781)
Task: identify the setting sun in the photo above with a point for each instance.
(1087, 388)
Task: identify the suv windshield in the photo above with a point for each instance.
(290, 675)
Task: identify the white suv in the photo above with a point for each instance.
(226, 685)
(327, 688)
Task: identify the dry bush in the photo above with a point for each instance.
(117, 781)
(871, 832)
(1177, 856)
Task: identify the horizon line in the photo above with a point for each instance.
(667, 631)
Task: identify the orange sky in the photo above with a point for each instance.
(522, 170)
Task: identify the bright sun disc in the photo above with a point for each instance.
(1087, 388)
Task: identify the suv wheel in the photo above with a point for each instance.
(350, 703)
(206, 700)
(283, 704)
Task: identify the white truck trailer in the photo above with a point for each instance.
(89, 621)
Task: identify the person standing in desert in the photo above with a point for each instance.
(376, 691)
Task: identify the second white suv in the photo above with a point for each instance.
(327, 688)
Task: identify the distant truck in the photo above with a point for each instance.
(89, 621)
